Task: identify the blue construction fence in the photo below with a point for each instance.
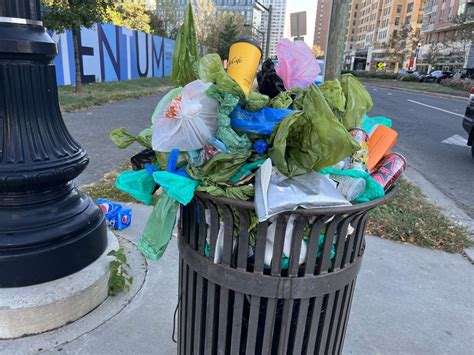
(109, 53)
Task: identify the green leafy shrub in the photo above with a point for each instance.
(367, 74)
(459, 84)
(119, 280)
(408, 77)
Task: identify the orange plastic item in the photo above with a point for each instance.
(381, 142)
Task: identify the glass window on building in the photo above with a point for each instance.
(410, 7)
(407, 20)
(399, 8)
(397, 21)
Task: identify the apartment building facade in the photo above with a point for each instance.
(321, 27)
(442, 46)
(371, 24)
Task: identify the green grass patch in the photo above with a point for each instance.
(96, 94)
(426, 87)
(410, 217)
(105, 187)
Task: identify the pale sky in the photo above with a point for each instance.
(302, 5)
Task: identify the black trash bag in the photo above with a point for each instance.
(269, 83)
(139, 160)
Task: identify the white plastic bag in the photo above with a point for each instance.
(287, 243)
(276, 193)
(186, 122)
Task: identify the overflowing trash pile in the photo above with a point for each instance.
(272, 136)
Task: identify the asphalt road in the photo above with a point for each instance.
(421, 130)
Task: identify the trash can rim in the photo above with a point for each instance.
(309, 212)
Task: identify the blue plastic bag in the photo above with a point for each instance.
(260, 122)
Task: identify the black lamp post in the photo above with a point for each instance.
(48, 229)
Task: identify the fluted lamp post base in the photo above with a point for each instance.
(48, 229)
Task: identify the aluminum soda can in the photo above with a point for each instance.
(389, 169)
(359, 158)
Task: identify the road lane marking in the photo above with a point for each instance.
(389, 93)
(456, 140)
(436, 108)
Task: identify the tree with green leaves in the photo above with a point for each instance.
(205, 17)
(157, 26)
(432, 55)
(400, 46)
(167, 11)
(228, 27)
(59, 15)
(130, 14)
(463, 36)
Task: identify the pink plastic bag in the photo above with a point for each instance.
(297, 65)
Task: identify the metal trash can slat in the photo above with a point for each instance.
(233, 300)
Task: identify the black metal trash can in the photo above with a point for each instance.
(236, 304)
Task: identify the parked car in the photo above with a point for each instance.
(468, 122)
(408, 72)
(436, 76)
(467, 73)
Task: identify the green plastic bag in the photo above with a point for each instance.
(282, 100)
(123, 140)
(159, 228)
(220, 168)
(165, 100)
(176, 186)
(293, 97)
(358, 101)
(373, 190)
(246, 169)
(243, 193)
(211, 70)
(162, 159)
(256, 101)
(310, 139)
(137, 184)
(332, 92)
(225, 132)
(185, 54)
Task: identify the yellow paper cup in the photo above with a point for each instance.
(244, 57)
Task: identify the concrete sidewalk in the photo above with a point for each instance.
(408, 300)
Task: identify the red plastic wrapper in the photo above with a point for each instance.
(208, 152)
(390, 168)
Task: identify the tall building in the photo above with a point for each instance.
(321, 27)
(438, 34)
(370, 26)
(279, 10)
(255, 16)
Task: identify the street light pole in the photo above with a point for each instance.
(269, 10)
(48, 229)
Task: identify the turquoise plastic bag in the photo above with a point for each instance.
(373, 190)
(369, 122)
(176, 186)
(137, 184)
(159, 228)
